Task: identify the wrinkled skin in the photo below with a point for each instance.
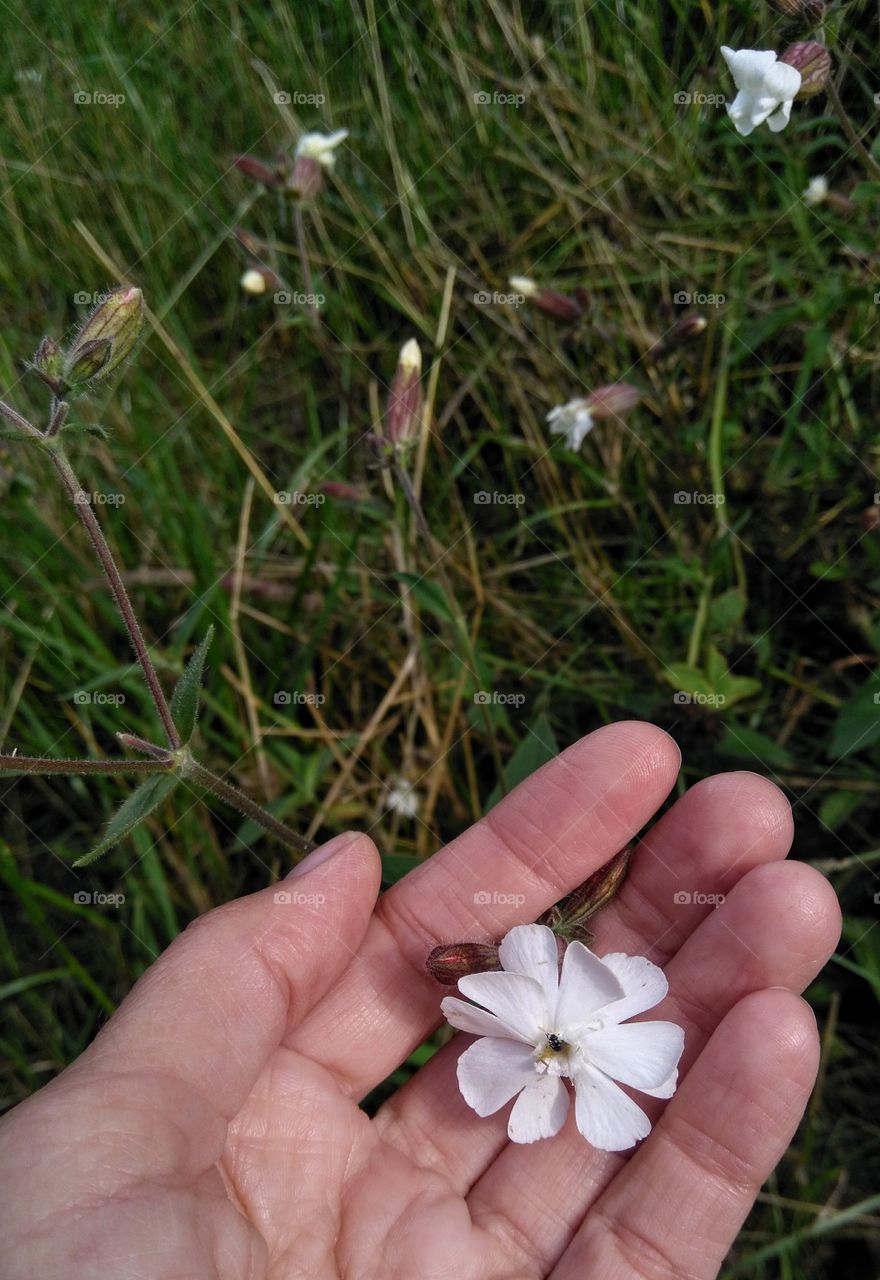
(213, 1130)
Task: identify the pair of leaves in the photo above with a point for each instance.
(714, 687)
(146, 798)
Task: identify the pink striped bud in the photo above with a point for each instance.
(405, 397)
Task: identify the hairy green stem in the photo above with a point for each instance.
(849, 129)
(197, 773)
(38, 764)
(83, 509)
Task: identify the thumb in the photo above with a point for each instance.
(215, 1005)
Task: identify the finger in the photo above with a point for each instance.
(544, 838)
(721, 828)
(677, 1206)
(777, 928)
(704, 836)
(198, 1028)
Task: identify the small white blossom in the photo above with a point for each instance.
(766, 88)
(816, 190)
(572, 420)
(321, 146)
(402, 799)
(253, 281)
(538, 1028)
(524, 285)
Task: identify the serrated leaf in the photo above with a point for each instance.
(139, 805)
(185, 699)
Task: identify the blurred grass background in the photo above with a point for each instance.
(598, 595)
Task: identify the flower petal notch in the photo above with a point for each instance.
(539, 1027)
(766, 89)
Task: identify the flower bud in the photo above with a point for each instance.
(567, 918)
(107, 337)
(405, 397)
(449, 963)
(684, 330)
(48, 362)
(612, 401)
(813, 61)
(314, 153)
(341, 491)
(555, 304)
(256, 280)
(253, 168)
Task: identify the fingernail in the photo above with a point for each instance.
(323, 853)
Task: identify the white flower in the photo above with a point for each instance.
(321, 146)
(766, 87)
(572, 420)
(816, 190)
(253, 281)
(402, 799)
(524, 285)
(538, 1028)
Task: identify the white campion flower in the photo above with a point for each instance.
(816, 190)
(253, 281)
(572, 420)
(766, 89)
(321, 146)
(538, 1028)
(402, 798)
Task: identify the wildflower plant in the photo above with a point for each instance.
(103, 343)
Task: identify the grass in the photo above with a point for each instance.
(586, 600)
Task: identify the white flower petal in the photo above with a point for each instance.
(783, 81)
(664, 1090)
(780, 119)
(518, 1001)
(643, 983)
(749, 67)
(531, 949)
(606, 1116)
(640, 1054)
(490, 1072)
(586, 985)
(539, 1111)
(467, 1017)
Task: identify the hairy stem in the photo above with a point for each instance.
(195, 772)
(850, 130)
(83, 509)
(45, 764)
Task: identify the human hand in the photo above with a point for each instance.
(212, 1130)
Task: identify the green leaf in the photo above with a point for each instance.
(185, 699)
(716, 668)
(734, 688)
(726, 611)
(139, 805)
(396, 865)
(837, 807)
(858, 722)
(688, 680)
(749, 744)
(537, 747)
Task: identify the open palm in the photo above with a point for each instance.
(213, 1130)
